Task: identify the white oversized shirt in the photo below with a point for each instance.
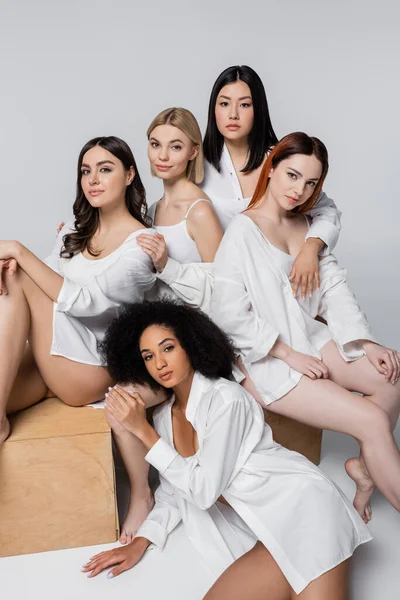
(276, 495)
(96, 291)
(224, 190)
(253, 303)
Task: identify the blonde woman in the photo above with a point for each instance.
(188, 229)
(187, 237)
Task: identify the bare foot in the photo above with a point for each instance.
(365, 487)
(139, 508)
(4, 429)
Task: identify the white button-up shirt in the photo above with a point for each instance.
(225, 193)
(254, 303)
(275, 495)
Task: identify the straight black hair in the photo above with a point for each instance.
(262, 136)
(87, 216)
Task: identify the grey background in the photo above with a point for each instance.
(74, 70)
(77, 69)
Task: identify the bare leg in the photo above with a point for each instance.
(256, 576)
(326, 405)
(133, 452)
(332, 585)
(27, 313)
(362, 377)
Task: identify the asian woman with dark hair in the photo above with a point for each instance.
(238, 138)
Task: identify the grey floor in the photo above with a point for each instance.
(178, 574)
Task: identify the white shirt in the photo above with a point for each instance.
(254, 303)
(275, 495)
(93, 293)
(225, 192)
(96, 291)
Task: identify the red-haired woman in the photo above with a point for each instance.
(294, 365)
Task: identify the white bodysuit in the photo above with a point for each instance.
(275, 495)
(253, 303)
(184, 263)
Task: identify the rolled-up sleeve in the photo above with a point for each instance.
(339, 307)
(325, 223)
(164, 517)
(192, 282)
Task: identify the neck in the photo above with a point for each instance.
(112, 215)
(182, 391)
(176, 188)
(238, 149)
(272, 209)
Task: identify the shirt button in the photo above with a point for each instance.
(238, 198)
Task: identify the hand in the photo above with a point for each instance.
(9, 249)
(127, 408)
(311, 366)
(154, 245)
(305, 269)
(61, 225)
(11, 265)
(385, 361)
(125, 558)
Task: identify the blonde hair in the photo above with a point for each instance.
(184, 120)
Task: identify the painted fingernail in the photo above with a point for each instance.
(110, 575)
(110, 388)
(106, 395)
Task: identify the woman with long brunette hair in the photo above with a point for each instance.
(294, 365)
(237, 141)
(63, 306)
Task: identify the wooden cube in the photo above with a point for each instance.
(57, 483)
(296, 436)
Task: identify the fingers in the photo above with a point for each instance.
(392, 354)
(101, 561)
(387, 359)
(318, 369)
(61, 225)
(317, 280)
(296, 284)
(303, 286)
(310, 285)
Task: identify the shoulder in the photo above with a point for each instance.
(225, 394)
(200, 210)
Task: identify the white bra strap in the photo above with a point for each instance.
(194, 204)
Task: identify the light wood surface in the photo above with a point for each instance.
(57, 484)
(296, 436)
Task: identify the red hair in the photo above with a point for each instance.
(294, 143)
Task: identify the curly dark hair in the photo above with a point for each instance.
(210, 351)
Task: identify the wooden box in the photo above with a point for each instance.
(57, 484)
(296, 436)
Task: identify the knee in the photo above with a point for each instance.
(376, 423)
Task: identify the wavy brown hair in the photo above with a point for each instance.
(87, 216)
(294, 143)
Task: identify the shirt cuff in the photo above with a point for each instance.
(67, 296)
(154, 532)
(327, 232)
(161, 455)
(263, 348)
(170, 271)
